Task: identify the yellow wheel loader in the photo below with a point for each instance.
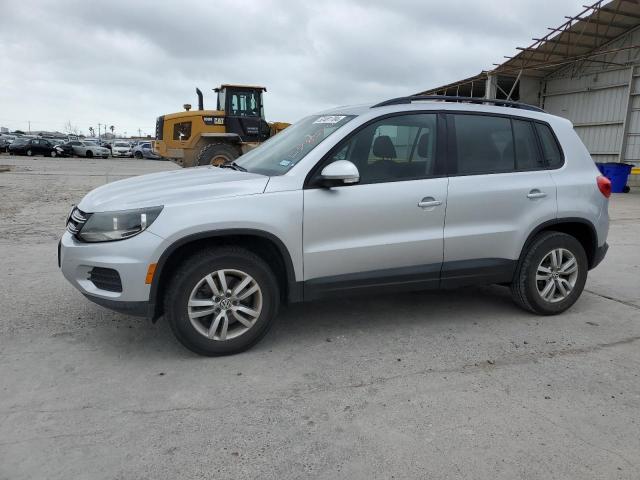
(215, 137)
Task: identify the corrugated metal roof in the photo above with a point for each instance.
(580, 37)
(576, 39)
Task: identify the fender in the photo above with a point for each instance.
(294, 288)
(233, 137)
(558, 221)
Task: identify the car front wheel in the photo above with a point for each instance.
(222, 301)
(551, 276)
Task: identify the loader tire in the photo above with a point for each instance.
(217, 154)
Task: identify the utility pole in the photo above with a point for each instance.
(29, 122)
(139, 133)
(99, 131)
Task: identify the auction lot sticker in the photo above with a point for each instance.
(330, 119)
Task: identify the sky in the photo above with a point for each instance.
(124, 62)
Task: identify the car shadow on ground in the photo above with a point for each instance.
(310, 323)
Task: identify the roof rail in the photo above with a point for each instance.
(445, 98)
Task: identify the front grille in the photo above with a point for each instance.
(106, 279)
(76, 221)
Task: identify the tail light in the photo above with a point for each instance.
(604, 185)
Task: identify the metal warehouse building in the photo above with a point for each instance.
(586, 70)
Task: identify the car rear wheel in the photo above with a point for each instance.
(138, 155)
(53, 154)
(30, 153)
(222, 301)
(551, 275)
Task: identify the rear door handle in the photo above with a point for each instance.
(429, 202)
(535, 193)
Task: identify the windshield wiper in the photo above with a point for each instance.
(234, 166)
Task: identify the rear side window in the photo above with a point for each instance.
(550, 147)
(484, 144)
(526, 146)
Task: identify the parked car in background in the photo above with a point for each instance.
(65, 149)
(89, 149)
(106, 145)
(143, 150)
(4, 144)
(121, 149)
(32, 146)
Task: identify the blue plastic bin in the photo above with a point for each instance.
(618, 173)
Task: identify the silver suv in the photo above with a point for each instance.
(412, 193)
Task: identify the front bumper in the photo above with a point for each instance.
(76, 260)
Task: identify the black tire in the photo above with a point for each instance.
(53, 154)
(192, 271)
(29, 153)
(217, 154)
(88, 154)
(138, 155)
(524, 288)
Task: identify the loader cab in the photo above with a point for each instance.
(244, 111)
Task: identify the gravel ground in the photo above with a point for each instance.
(454, 384)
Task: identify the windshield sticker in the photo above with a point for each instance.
(285, 163)
(330, 119)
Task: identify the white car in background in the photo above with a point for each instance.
(89, 149)
(121, 149)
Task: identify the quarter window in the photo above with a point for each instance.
(392, 149)
(550, 148)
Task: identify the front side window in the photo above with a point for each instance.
(281, 152)
(392, 149)
(245, 104)
(182, 131)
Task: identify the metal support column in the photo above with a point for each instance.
(492, 86)
(627, 116)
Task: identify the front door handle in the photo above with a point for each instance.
(429, 202)
(535, 193)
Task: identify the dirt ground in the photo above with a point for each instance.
(454, 384)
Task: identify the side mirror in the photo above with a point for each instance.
(341, 172)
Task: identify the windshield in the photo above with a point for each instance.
(20, 141)
(125, 145)
(280, 153)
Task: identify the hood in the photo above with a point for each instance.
(170, 188)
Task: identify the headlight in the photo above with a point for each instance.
(110, 226)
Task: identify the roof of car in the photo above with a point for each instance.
(493, 107)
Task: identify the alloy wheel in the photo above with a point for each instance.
(225, 304)
(556, 275)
